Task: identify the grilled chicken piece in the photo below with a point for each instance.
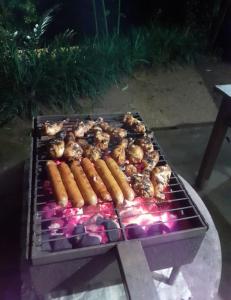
(142, 185)
(128, 119)
(82, 142)
(160, 177)
(93, 153)
(73, 151)
(79, 129)
(135, 154)
(56, 148)
(96, 128)
(139, 127)
(102, 140)
(118, 133)
(88, 125)
(69, 137)
(146, 144)
(105, 126)
(130, 170)
(51, 129)
(151, 160)
(134, 123)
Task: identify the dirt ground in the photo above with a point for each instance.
(165, 98)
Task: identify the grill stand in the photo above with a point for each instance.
(135, 271)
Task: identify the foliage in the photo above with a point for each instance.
(16, 14)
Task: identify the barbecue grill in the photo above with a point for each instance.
(172, 240)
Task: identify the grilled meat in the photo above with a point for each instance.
(135, 154)
(146, 144)
(79, 129)
(73, 151)
(82, 142)
(91, 152)
(102, 140)
(134, 123)
(56, 148)
(130, 170)
(69, 137)
(139, 127)
(118, 133)
(142, 185)
(51, 129)
(160, 177)
(151, 160)
(128, 119)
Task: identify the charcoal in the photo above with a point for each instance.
(100, 220)
(155, 229)
(79, 231)
(165, 228)
(89, 240)
(135, 231)
(60, 244)
(45, 224)
(113, 235)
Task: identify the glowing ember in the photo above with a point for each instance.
(92, 225)
(143, 217)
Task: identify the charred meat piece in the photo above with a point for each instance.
(134, 123)
(139, 127)
(135, 154)
(160, 177)
(79, 129)
(128, 119)
(102, 140)
(105, 126)
(146, 144)
(151, 160)
(88, 125)
(119, 153)
(142, 185)
(118, 133)
(91, 152)
(96, 128)
(56, 148)
(70, 137)
(130, 170)
(73, 151)
(82, 142)
(51, 129)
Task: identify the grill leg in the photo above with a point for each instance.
(215, 142)
(167, 280)
(135, 271)
(173, 275)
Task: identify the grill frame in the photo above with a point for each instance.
(183, 238)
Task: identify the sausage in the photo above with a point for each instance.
(86, 190)
(120, 178)
(109, 181)
(57, 183)
(70, 185)
(95, 180)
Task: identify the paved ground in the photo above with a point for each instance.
(184, 147)
(173, 97)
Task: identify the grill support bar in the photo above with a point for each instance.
(135, 271)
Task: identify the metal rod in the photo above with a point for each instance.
(135, 271)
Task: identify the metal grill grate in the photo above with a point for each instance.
(187, 218)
